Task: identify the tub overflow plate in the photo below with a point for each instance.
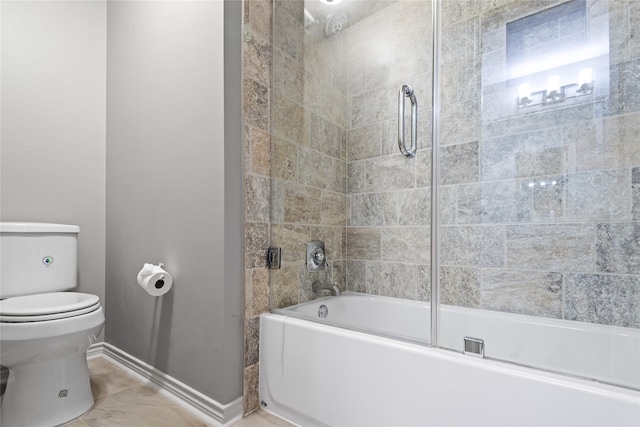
(323, 310)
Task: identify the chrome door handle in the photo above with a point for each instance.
(407, 92)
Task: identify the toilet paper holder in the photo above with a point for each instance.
(154, 279)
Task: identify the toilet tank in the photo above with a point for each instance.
(37, 258)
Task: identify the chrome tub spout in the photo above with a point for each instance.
(331, 287)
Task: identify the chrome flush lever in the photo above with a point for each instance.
(407, 92)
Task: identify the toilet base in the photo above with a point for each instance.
(47, 394)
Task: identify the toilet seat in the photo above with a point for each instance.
(49, 306)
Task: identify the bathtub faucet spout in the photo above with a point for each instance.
(331, 287)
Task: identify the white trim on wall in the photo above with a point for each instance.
(213, 413)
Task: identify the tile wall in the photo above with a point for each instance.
(336, 174)
(388, 229)
(539, 207)
(257, 30)
(308, 163)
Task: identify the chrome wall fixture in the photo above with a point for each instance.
(407, 92)
(473, 347)
(554, 93)
(274, 257)
(316, 258)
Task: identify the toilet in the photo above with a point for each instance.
(45, 330)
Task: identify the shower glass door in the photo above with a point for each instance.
(539, 175)
(337, 174)
(538, 207)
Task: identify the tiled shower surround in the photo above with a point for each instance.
(321, 159)
(539, 207)
(324, 134)
(256, 87)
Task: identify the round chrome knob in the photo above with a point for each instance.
(318, 256)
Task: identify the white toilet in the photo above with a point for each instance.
(44, 332)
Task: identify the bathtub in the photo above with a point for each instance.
(313, 373)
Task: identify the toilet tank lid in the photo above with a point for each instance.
(37, 227)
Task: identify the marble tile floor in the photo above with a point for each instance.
(123, 401)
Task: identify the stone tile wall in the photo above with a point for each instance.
(308, 152)
(388, 232)
(526, 196)
(540, 206)
(256, 71)
(532, 201)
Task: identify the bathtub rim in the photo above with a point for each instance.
(289, 312)
(521, 318)
(524, 318)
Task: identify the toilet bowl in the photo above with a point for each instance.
(44, 348)
(44, 336)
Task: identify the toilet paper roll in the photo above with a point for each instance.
(155, 280)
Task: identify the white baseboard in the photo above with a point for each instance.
(211, 412)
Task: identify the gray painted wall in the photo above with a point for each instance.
(173, 192)
(166, 187)
(53, 122)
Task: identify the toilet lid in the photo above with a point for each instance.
(50, 306)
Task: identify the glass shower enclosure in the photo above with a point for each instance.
(530, 204)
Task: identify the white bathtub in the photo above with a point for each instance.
(315, 374)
